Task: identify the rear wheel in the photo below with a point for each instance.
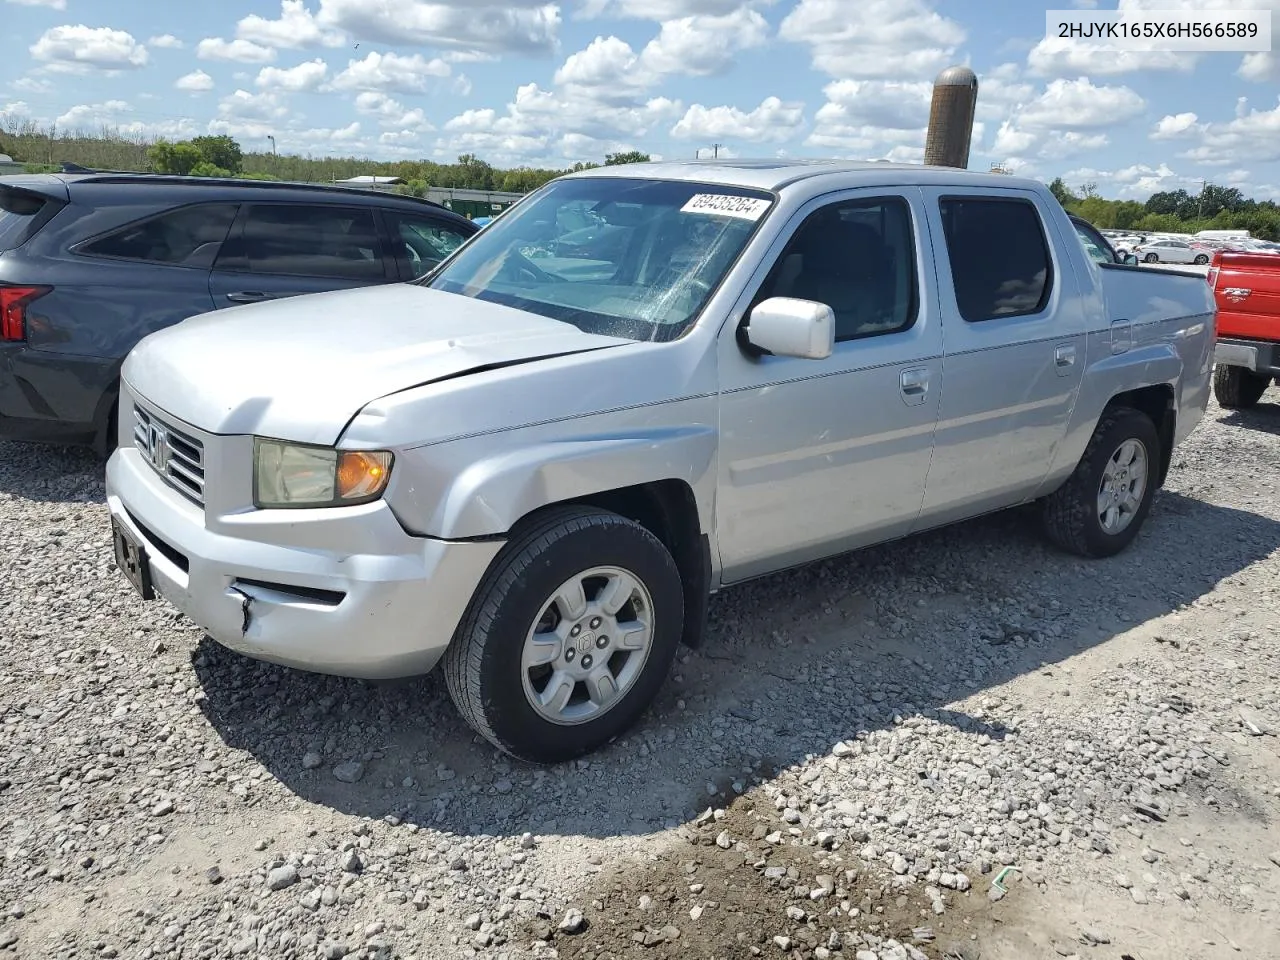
(1201, 258)
(1103, 505)
(1237, 388)
(1152, 258)
(569, 636)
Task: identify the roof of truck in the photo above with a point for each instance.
(779, 173)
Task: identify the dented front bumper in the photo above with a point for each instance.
(325, 602)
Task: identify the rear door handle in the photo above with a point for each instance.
(248, 296)
(915, 385)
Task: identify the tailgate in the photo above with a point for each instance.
(1247, 291)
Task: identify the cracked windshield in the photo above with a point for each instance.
(625, 258)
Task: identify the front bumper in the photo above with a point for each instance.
(315, 605)
(1259, 356)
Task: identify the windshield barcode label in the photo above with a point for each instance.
(724, 205)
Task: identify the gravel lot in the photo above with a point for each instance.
(844, 770)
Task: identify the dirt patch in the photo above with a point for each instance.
(735, 886)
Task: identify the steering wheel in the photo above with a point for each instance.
(522, 266)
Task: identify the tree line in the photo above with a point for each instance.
(1214, 207)
(46, 149)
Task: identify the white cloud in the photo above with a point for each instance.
(237, 51)
(302, 78)
(1253, 136)
(662, 9)
(166, 41)
(51, 4)
(516, 26)
(1135, 182)
(297, 27)
(243, 105)
(1260, 67)
(80, 49)
(197, 81)
(15, 108)
(1077, 104)
(1012, 141)
(1175, 125)
(772, 120)
(704, 45)
(89, 116)
(399, 138)
(607, 70)
(391, 112)
(30, 84)
(874, 38)
(1055, 57)
(391, 72)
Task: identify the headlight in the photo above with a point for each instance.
(299, 475)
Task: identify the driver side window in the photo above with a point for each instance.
(858, 258)
(422, 242)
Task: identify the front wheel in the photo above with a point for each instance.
(1152, 258)
(1237, 388)
(1100, 509)
(568, 637)
(1201, 259)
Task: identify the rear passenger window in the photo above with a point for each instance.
(858, 259)
(311, 241)
(999, 257)
(188, 234)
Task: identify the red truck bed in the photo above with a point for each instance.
(1246, 290)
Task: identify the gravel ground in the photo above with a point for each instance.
(845, 770)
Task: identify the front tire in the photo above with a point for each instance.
(569, 636)
(1237, 388)
(1102, 506)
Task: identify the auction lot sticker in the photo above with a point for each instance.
(724, 205)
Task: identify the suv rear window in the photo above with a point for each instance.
(22, 213)
(308, 240)
(999, 256)
(182, 235)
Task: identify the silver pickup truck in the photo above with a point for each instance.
(638, 386)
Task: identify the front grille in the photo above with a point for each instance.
(176, 456)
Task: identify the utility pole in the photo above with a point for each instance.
(716, 148)
(1200, 205)
(273, 144)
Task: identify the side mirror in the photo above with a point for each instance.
(787, 327)
(1129, 259)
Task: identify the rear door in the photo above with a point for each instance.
(287, 249)
(1013, 330)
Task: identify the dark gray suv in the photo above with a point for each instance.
(92, 263)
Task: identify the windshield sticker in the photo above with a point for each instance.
(724, 205)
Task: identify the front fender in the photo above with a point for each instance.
(468, 493)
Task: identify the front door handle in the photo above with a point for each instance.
(1064, 356)
(915, 385)
(248, 296)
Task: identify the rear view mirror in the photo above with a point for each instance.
(787, 327)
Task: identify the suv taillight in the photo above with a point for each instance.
(13, 310)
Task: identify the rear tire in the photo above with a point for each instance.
(1073, 516)
(1152, 258)
(1201, 259)
(521, 641)
(1237, 388)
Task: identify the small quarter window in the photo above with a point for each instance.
(186, 235)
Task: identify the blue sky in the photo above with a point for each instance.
(545, 83)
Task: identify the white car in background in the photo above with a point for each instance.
(1170, 251)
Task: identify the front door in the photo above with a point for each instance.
(822, 456)
(1014, 342)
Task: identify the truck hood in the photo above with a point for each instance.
(300, 368)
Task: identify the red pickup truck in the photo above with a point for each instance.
(1246, 287)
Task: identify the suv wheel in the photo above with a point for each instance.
(1102, 506)
(568, 637)
(1237, 388)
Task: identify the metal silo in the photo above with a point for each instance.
(955, 95)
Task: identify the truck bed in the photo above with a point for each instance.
(1247, 289)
